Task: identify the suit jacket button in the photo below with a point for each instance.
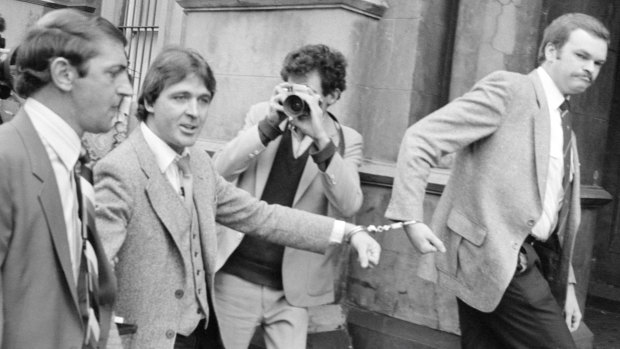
(170, 334)
(179, 293)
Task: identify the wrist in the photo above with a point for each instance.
(348, 235)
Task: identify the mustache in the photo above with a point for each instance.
(585, 75)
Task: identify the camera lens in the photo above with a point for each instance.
(295, 106)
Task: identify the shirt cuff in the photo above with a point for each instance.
(268, 132)
(322, 158)
(337, 232)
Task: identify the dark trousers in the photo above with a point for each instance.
(527, 316)
(201, 338)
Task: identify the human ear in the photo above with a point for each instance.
(332, 97)
(62, 73)
(149, 107)
(551, 52)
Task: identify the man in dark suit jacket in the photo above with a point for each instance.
(510, 205)
(73, 73)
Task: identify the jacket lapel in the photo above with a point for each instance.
(542, 128)
(49, 197)
(263, 166)
(164, 200)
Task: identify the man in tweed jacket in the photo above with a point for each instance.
(159, 230)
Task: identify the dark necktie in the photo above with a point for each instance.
(567, 130)
(88, 277)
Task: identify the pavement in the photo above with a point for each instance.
(602, 316)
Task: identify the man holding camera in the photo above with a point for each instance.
(56, 286)
(291, 152)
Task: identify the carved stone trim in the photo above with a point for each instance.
(370, 8)
(56, 4)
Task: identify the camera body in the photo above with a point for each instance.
(7, 72)
(293, 104)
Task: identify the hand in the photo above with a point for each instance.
(312, 123)
(276, 112)
(423, 238)
(368, 250)
(572, 313)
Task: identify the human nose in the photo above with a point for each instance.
(192, 107)
(124, 87)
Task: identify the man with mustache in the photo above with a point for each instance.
(72, 69)
(508, 216)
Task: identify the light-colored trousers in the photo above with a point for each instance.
(242, 306)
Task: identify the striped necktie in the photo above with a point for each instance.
(88, 276)
(567, 131)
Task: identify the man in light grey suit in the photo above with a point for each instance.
(159, 200)
(310, 163)
(510, 211)
(73, 70)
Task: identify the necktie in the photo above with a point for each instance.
(567, 130)
(88, 276)
(186, 181)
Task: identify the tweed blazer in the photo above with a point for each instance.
(141, 219)
(501, 130)
(38, 294)
(308, 278)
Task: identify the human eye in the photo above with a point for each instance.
(179, 97)
(204, 99)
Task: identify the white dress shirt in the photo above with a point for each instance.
(165, 157)
(63, 146)
(554, 193)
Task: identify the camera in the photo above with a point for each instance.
(295, 106)
(7, 72)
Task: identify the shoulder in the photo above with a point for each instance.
(258, 111)
(351, 135)
(505, 79)
(120, 161)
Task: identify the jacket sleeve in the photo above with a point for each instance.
(467, 119)
(239, 210)
(114, 205)
(237, 155)
(341, 180)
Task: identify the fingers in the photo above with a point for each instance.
(368, 250)
(573, 320)
(436, 243)
(423, 238)
(363, 259)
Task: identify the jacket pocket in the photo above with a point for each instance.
(463, 226)
(463, 239)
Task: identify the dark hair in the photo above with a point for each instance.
(171, 66)
(329, 63)
(559, 30)
(67, 33)
(2, 24)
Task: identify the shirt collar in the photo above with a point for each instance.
(55, 132)
(164, 155)
(552, 93)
